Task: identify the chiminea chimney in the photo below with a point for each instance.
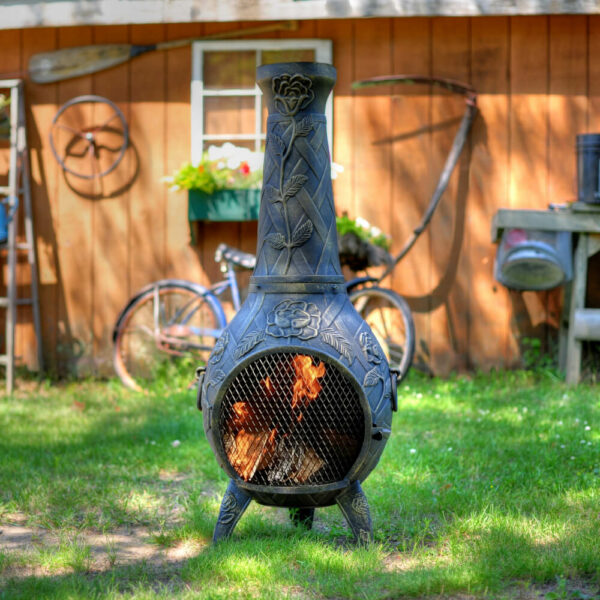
(297, 395)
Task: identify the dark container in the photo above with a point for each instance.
(588, 168)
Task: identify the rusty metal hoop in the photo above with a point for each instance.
(89, 135)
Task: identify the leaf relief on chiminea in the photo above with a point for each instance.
(334, 338)
(291, 94)
(248, 342)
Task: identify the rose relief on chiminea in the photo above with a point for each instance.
(297, 395)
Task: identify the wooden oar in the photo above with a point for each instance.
(67, 63)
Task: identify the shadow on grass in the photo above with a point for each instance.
(262, 563)
(487, 497)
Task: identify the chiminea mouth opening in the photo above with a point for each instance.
(292, 419)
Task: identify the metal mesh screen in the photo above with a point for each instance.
(290, 419)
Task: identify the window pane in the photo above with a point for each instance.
(274, 56)
(227, 115)
(227, 70)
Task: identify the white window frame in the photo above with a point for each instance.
(323, 53)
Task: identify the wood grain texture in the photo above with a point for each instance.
(112, 211)
(75, 240)
(410, 142)
(371, 175)
(450, 277)
(489, 342)
(183, 259)
(41, 104)
(538, 83)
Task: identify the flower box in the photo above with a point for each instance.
(223, 205)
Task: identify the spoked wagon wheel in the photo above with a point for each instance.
(89, 136)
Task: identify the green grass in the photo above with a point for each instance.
(489, 487)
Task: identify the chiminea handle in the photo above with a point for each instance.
(200, 371)
(395, 374)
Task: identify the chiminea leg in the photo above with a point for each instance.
(234, 503)
(302, 517)
(354, 506)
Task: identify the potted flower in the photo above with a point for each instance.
(361, 244)
(223, 186)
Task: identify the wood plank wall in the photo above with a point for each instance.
(537, 79)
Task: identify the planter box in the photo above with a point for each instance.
(225, 205)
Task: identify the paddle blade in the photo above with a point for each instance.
(67, 63)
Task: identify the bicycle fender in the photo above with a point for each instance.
(195, 287)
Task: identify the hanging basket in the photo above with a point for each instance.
(359, 254)
(224, 205)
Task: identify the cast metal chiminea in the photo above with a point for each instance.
(297, 395)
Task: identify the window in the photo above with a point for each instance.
(226, 102)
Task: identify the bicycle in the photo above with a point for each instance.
(174, 318)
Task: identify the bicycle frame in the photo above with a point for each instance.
(215, 290)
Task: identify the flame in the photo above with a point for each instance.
(251, 444)
(268, 385)
(306, 387)
(241, 415)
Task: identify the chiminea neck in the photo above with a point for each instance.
(297, 237)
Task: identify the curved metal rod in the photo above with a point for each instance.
(455, 151)
(452, 85)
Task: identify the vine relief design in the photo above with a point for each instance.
(219, 349)
(291, 93)
(229, 509)
(369, 348)
(360, 506)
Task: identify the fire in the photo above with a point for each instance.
(306, 387)
(268, 385)
(241, 415)
(251, 444)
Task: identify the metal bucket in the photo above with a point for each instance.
(533, 260)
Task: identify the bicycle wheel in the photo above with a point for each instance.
(167, 323)
(390, 318)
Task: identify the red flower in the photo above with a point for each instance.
(200, 169)
(245, 168)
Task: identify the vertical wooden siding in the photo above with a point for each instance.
(537, 83)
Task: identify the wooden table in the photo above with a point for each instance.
(577, 322)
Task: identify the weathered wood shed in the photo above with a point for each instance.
(537, 75)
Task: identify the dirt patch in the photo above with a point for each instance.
(102, 551)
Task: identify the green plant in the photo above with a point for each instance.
(363, 230)
(227, 167)
(534, 355)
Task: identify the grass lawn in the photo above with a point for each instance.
(489, 487)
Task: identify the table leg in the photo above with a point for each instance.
(573, 362)
(563, 329)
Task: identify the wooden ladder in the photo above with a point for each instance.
(16, 196)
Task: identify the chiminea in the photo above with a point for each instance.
(297, 395)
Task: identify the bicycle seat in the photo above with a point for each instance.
(235, 256)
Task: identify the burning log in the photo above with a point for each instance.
(248, 452)
(294, 462)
